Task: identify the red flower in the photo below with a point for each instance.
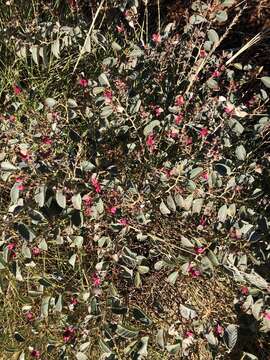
(178, 118)
(216, 74)
(204, 132)
(158, 111)
(11, 246)
(156, 38)
(47, 140)
(96, 281)
(87, 200)
(150, 142)
(113, 210)
(179, 100)
(244, 290)
(193, 272)
(203, 53)
(108, 95)
(36, 354)
(16, 89)
(199, 250)
(189, 333)
(83, 82)
(123, 222)
(69, 333)
(120, 28)
(219, 330)
(96, 185)
(36, 251)
(29, 316)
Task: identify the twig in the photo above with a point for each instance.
(87, 36)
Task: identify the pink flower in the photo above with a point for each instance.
(74, 301)
(203, 132)
(244, 290)
(88, 211)
(189, 334)
(120, 28)
(96, 281)
(188, 141)
(266, 315)
(229, 110)
(202, 221)
(47, 140)
(36, 251)
(29, 316)
(16, 89)
(203, 53)
(193, 272)
(11, 246)
(216, 74)
(199, 250)
(25, 155)
(158, 111)
(178, 118)
(113, 210)
(150, 142)
(19, 179)
(179, 100)
(12, 118)
(123, 222)
(87, 200)
(108, 95)
(21, 187)
(83, 82)
(219, 330)
(96, 185)
(156, 38)
(36, 354)
(173, 134)
(69, 333)
(205, 176)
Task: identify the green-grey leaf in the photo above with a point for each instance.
(58, 306)
(72, 260)
(170, 203)
(77, 201)
(222, 213)
(45, 306)
(163, 208)
(213, 36)
(266, 81)
(240, 152)
(197, 206)
(150, 127)
(7, 166)
(141, 316)
(61, 198)
(196, 19)
(172, 277)
(128, 333)
(50, 102)
(103, 80)
(222, 16)
(230, 335)
(43, 245)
